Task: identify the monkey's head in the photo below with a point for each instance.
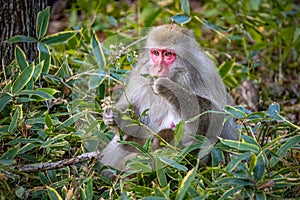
(165, 45)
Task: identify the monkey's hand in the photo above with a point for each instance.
(109, 117)
(108, 113)
(162, 86)
(169, 90)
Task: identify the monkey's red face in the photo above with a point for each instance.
(162, 60)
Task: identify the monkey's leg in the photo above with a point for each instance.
(116, 155)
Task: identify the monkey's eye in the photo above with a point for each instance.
(155, 52)
(168, 53)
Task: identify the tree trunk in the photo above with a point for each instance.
(18, 17)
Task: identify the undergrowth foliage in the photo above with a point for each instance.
(50, 110)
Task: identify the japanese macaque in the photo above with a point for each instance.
(182, 83)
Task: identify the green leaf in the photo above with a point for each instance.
(50, 91)
(254, 4)
(181, 19)
(11, 153)
(42, 22)
(25, 141)
(6, 162)
(21, 38)
(14, 122)
(89, 188)
(96, 80)
(235, 112)
(98, 52)
(250, 140)
(274, 110)
(28, 147)
(43, 95)
(185, 6)
(57, 38)
(154, 198)
(253, 160)
(23, 79)
(160, 173)
(292, 142)
(226, 68)
(20, 191)
(173, 163)
(134, 144)
(235, 181)
(235, 161)
(48, 120)
(44, 55)
(179, 133)
(4, 99)
(53, 194)
(56, 139)
(44, 180)
(70, 121)
(38, 70)
(231, 81)
(185, 184)
(21, 58)
(217, 157)
(260, 195)
(259, 169)
(241, 146)
(231, 192)
(140, 166)
(151, 18)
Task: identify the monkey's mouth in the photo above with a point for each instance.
(160, 68)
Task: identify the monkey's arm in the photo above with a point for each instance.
(184, 102)
(187, 105)
(126, 126)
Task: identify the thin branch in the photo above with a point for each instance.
(58, 164)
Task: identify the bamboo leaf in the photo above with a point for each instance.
(241, 146)
(235, 112)
(179, 133)
(20, 38)
(42, 22)
(259, 169)
(96, 80)
(43, 95)
(235, 181)
(53, 194)
(44, 55)
(234, 162)
(160, 173)
(21, 58)
(4, 99)
(185, 184)
(226, 68)
(60, 37)
(70, 121)
(173, 163)
(181, 19)
(140, 166)
(23, 79)
(14, 121)
(11, 153)
(98, 52)
(292, 142)
(53, 140)
(38, 70)
(185, 6)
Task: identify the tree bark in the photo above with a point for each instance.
(18, 17)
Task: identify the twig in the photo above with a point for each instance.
(58, 164)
